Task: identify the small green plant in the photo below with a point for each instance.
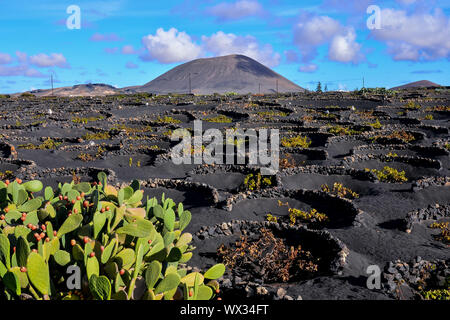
(102, 135)
(390, 156)
(27, 95)
(429, 117)
(86, 120)
(48, 144)
(411, 105)
(444, 235)
(437, 294)
(401, 135)
(313, 216)
(167, 133)
(87, 157)
(344, 131)
(296, 142)
(257, 182)
(271, 114)
(271, 218)
(447, 146)
(389, 174)
(339, 190)
(219, 119)
(167, 120)
(376, 125)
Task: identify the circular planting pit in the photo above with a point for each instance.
(222, 181)
(316, 181)
(315, 209)
(411, 172)
(270, 253)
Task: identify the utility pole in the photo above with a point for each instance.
(260, 88)
(364, 84)
(277, 87)
(52, 82)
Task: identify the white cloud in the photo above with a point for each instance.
(309, 68)
(53, 60)
(416, 36)
(221, 44)
(313, 31)
(98, 37)
(128, 49)
(5, 58)
(21, 56)
(21, 70)
(170, 46)
(237, 10)
(343, 48)
(406, 2)
(131, 65)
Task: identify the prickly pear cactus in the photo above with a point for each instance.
(118, 244)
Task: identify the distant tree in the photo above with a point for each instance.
(319, 87)
(326, 88)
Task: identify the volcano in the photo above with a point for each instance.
(233, 73)
(418, 84)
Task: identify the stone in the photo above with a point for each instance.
(249, 291)
(281, 293)
(261, 291)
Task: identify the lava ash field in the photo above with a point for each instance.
(368, 184)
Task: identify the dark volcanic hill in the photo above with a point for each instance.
(417, 84)
(233, 73)
(97, 89)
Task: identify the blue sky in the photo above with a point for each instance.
(125, 43)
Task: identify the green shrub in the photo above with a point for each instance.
(438, 294)
(220, 119)
(167, 120)
(86, 120)
(116, 238)
(389, 174)
(376, 124)
(104, 135)
(48, 144)
(257, 182)
(312, 216)
(344, 131)
(296, 142)
(27, 95)
(411, 105)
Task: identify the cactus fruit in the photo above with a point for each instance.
(126, 247)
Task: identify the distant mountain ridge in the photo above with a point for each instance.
(418, 84)
(91, 89)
